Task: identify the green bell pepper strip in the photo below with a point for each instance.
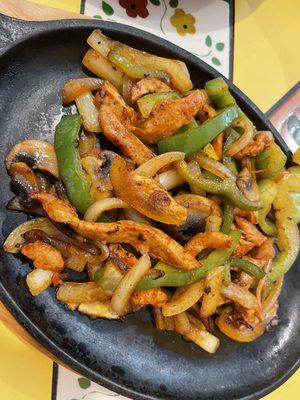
(227, 217)
(174, 277)
(248, 267)
(289, 244)
(192, 124)
(228, 161)
(271, 161)
(287, 216)
(134, 70)
(218, 92)
(147, 102)
(267, 193)
(68, 160)
(226, 274)
(295, 201)
(193, 139)
(288, 195)
(226, 187)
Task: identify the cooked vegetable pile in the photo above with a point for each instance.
(159, 195)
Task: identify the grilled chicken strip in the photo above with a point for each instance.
(43, 256)
(145, 195)
(257, 145)
(116, 120)
(252, 234)
(213, 240)
(148, 85)
(144, 238)
(153, 297)
(168, 116)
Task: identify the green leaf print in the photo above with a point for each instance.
(97, 16)
(208, 41)
(216, 61)
(84, 383)
(220, 46)
(155, 2)
(173, 3)
(107, 8)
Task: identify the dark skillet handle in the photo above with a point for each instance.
(12, 29)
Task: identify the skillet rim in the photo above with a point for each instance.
(49, 27)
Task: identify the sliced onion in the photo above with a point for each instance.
(226, 326)
(170, 179)
(150, 167)
(128, 84)
(121, 296)
(159, 318)
(103, 68)
(239, 295)
(169, 324)
(184, 301)
(133, 215)
(182, 323)
(97, 208)
(98, 309)
(272, 313)
(213, 166)
(111, 278)
(15, 240)
(244, 139)
(88, 111)
(104, 249)
(87, 143)
(38, 280)
(270, 301)
(76, 87)
(75, 292)
(211, 300)
(99, 42)
(201, 337)
(263, 283)
(195, 170)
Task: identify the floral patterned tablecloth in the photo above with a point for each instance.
(253, 42)
(202, 27)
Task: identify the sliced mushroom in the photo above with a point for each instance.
(61, 191)
(43, 183)
(98, 170)
(37, 154)
(194, 224)
(24, 183)
(15, 205)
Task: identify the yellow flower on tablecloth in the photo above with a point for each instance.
(184, 23)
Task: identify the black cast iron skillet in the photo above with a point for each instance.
(129, 357)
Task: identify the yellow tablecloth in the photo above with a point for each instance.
(266, 66)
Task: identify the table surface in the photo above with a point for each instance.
(266, 67)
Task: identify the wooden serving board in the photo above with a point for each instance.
(22, 9)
